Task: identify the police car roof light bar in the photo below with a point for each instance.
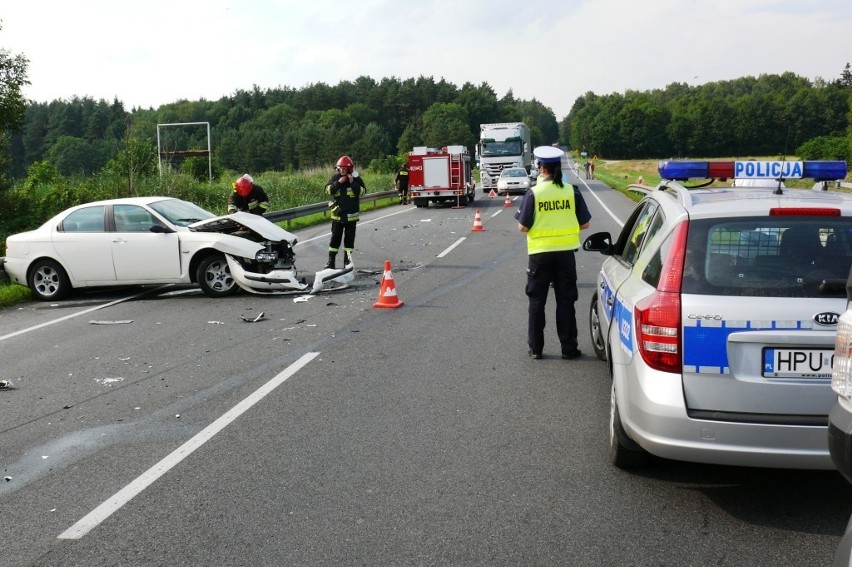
(775, 170)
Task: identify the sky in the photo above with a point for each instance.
(153, 52)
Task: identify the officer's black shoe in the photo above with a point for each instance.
(572, 354)
(535, 355)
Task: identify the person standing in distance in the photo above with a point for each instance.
(552, 215)
(345, 188)
(401, 184)
(247, 197)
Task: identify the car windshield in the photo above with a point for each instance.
(786, 256)
(514, 173)
(181, 213)
(512, 148)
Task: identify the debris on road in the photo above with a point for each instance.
(124, 322)
(255, 320)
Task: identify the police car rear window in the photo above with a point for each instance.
(787, 256)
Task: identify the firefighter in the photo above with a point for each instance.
(248, 197)
(401, 184)
(552, 215)
(345, 188)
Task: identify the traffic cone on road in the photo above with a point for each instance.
(387, 291)
(508, 201)
(492, 194)
(477, 222)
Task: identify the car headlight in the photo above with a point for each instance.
(266, 256)
(841, 375)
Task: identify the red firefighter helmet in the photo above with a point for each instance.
(244, 185)
(346, 161)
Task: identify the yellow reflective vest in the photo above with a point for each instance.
(555, 227)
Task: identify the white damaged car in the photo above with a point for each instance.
(158, 240)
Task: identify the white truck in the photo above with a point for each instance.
(502, 145)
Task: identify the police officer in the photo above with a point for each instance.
(345, 188)
(552, 215)
(247, 197)
(401, 184)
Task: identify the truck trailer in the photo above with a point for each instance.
(440, 175)
(502, 145)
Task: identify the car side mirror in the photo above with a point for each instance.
(599, 242)
(160, 229)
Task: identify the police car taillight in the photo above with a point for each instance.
(841, 374)
(658, 315)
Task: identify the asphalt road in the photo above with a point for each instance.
(156, 427)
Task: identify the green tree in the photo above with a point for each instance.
(13, 76)
(446, 124)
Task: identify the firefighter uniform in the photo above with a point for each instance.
(345, 211)
(552, 215)
(401, 183)
(255, 202)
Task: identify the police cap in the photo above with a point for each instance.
(548, 154)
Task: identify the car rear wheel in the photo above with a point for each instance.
(598, 343)
(623, 451)
(214, 276)
(48, 281)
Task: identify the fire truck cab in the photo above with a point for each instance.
(440, 176)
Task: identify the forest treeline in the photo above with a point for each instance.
(276, 129)
(771, 115)
(284, 129)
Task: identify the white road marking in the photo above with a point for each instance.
(71, 316)
(453, 245)
(123, 496)
(615, 218)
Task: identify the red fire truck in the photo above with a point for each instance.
(440, 175)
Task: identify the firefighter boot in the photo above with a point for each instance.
(332, 256)
(347, 258)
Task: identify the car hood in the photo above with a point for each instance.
(228, 224)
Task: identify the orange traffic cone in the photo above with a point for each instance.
(477, 223)
(492, 194)
(508, 201)
(387, 291)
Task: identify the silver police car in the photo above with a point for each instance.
(717, 312)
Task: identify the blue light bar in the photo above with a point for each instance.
(825, 170)
(683, 170)
(817, 170)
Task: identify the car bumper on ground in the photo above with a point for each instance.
(654, 414)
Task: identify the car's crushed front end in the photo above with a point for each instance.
(268, 264)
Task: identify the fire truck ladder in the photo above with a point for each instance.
(455, 171)
(456, 181)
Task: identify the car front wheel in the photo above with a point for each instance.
(48, 281)
(214, 276)
(598, 343)
(623, 451)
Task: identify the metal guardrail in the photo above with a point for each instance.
(305, 210)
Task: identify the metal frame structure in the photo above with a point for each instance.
(185, 153)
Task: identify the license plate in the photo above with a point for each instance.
(797, 363)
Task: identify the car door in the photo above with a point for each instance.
(138, 254)
(619, 285)
(84, 247)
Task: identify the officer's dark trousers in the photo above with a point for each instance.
(560, 269)
(342, 231)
